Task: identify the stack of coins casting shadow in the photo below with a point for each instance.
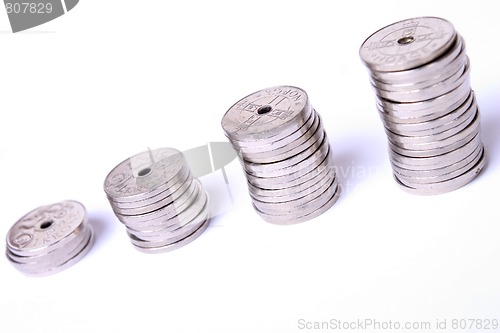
(50, 238)
(156, 197)
(285, 153)
(420, 73)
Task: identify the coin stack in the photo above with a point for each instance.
(50, 238)
(158, 200)
(420, 73)
(285, 154)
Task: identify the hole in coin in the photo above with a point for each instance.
(406, 40)
(144, 172)
(264, 109)
(46, 224)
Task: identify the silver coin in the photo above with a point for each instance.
(156, 197)
(419, 79)
(437, 125)
(304, 215)
(410, 171)
(433, 139)
(85, 249)
(144, 175)
(440, 147)
(45, 228)
(174, 184)
(407, 44)
(176, 245)
(446, 186)
(278, 168)
(165, 237)
(439, 175)
(276, 154)
(414, 113)
(303, 204)
(283, 147)
(54, 254)
(267, 115)
(177, 223)
(52, 260)
(168, 211)
(424, 99)
(291, 203)
(188, 217)
(296, 175)
(265, 146)
(169, 221)
(430, 92)
(317, 152)
(435, 162)
(295, 192)
(48, 237)
(308, 180)
(164, 200)
(426, 71)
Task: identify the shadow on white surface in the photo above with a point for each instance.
(101, 223)
(362, 158)
(490, 123)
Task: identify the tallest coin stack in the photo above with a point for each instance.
(420, 73)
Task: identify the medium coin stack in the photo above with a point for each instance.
(420, 73)
(285, 153)
(50, 238)
(158, 200)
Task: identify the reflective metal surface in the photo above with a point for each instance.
(158, 200)
(50, 238)
(420, 72)
(285, 153)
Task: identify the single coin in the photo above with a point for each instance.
(407, 44)
(267, 115)
(144, 175)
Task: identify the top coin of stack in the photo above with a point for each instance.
(50, 238)
(420, 73)
(155, 195)
(285, 153)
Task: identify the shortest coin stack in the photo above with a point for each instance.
(50, 238)
(159, 201)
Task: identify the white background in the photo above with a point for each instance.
(111, 78)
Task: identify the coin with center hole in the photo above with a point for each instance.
(156, 197)
(407, 44)
(420, 73)
(285, 154)
(49, 238)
